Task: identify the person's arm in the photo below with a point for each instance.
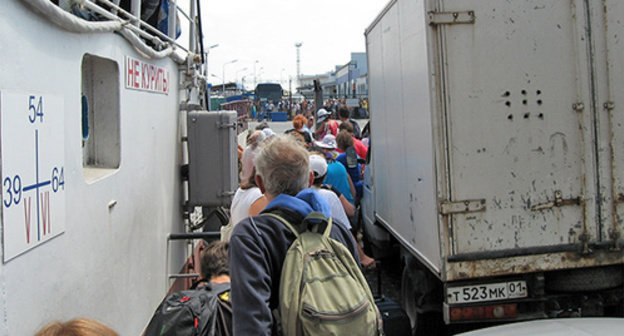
(257, 206)
(319, 130)
(348, 207)
(352, 187)
(365, 261)
(251, 287)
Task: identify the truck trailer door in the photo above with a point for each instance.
(607, 31)
(518, 125)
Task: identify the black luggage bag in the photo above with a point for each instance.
(395, 319)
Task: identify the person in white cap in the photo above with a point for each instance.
(337, 202)
(325, 125)
(337, 175)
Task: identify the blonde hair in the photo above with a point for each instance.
(77, 327)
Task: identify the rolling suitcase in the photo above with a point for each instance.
(395, 319)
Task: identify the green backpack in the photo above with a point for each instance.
(322, 289)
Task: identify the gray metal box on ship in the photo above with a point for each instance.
(213, 167)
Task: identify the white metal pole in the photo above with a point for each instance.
(136, 11)
(230, 62)
(193, 28)
(173, 10)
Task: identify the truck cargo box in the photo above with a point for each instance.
(497, 146)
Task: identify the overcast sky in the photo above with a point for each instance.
(267, 30)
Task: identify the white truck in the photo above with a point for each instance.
(497, 156)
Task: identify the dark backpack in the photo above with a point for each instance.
(201, 312)
(352, 158)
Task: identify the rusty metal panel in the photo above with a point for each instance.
(518, 129)
(529, 264)
(447, 208)
(607, 32)
(459, 17)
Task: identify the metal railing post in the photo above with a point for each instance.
(173, 10)
(193, 27)
(136, 11)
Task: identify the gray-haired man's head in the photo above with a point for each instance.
(283, 166)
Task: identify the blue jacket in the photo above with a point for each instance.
(257, 250)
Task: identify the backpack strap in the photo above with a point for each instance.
(198, 282)
(317, 222)
(285, 222)
(313, 222)
(332, 188)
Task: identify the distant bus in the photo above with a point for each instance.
(268, 92)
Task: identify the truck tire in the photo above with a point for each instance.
(586, 279)
(421, 301)
(408, 296)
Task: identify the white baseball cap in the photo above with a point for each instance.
(318, 165)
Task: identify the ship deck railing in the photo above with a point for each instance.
(127, 21)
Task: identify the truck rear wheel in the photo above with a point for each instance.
(421, 301)
(408, 295)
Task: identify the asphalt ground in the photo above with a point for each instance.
(388, 271)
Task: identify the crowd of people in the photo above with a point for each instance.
(316, 166)
(307, 107)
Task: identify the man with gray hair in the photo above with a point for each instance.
(259, 244)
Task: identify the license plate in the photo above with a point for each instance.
(487, 292)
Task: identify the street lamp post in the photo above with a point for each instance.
(236, 76)
(206, 73)
(224, 64)
(255, 78)
(207, 52)
(282, 76)
(298, 46)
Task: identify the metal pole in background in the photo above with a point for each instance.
(193, 28)
(255, 78)
(318, 96)
(298, 46)
(206, 74)
(230, 62)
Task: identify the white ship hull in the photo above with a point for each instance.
(109, 258)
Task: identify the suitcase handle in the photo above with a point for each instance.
(378, 268)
